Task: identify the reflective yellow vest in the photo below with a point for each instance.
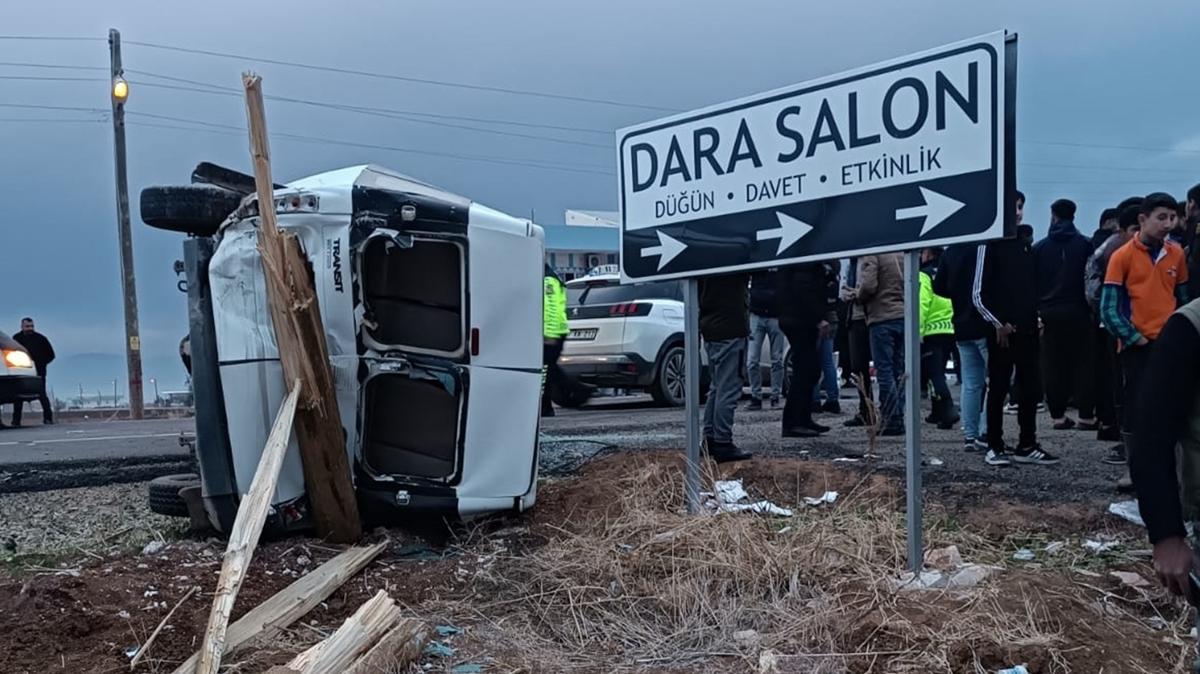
(554, 308)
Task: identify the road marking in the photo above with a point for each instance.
(95, 439)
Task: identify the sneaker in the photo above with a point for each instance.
(1041, 407)
(774, 402)
(1035, 455)
(1011, 408)
(970, 446)
(997, 457)
(1108, 434)
(832, 407)
(820, 428)
(723, 452)
(981, 444)
(1116, 455)
(1064, 424)
(754, 405)
(854, 422)
(1125, 483)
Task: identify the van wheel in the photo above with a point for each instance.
(192, 209)
(670, 385)
(164, 494)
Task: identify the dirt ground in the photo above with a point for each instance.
(606, 574)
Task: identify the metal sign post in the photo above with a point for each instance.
(691, 350)
(912, 409)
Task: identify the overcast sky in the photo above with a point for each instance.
(1091, 74)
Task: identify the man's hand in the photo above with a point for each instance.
(1173, 562)
(848, 294)
(823, 329)
(1002, 334)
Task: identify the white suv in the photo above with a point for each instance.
(626, 336)
(631, 337)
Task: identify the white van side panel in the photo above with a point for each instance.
(501, 441)
(506, 260)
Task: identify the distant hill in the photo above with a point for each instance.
(96, 371)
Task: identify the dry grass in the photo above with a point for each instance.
(652, 587)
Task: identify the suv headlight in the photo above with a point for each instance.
(18, 359)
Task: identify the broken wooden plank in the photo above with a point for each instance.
(402, 645)
(373, 625)
(293, 602)
(303, 352)
(141, 652)
(247, 527)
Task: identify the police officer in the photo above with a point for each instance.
(554, 331)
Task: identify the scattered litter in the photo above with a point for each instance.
(1024, 555)
(768, 662)
(944, 559)
(746, 638)
(448, 630)
(784, 530)
(1055, 547)
(123, 614)
(1128, 511)
(439, 650)
(934, 461)
(1130, 578)
(469, 668)
(153, 548)
(150, 593)
(1159, 623)
(845, 459)
(1100, 546)
(827, 497)
(131, 651)
(729, 493)
(1019, 669)
(303, 561)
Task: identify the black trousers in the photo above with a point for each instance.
(859, 346)
(1067, 364)
(806, 370)
(554, 374)
(1106, 382)
(1133, 364)
(1021, 357)
(935, 350)
(47, 410)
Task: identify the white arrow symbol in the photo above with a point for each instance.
(666, 250)
(788, 232)
(937, 209)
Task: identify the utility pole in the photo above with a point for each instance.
(133, 343)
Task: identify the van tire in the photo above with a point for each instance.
(164, 494)
(198, 210)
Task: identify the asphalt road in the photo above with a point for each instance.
(93, 440)
(634, 423)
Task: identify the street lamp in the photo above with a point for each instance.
(120, 90)
(154, 382)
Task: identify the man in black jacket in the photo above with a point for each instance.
(1005, 294)
(42, 353)
(806, 313)
(724, 325)
(1061, 259)
(955, 279)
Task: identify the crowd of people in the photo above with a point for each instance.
(1068, 321)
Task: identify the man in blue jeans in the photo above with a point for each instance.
(880, 291)
(764, 324)
(724, 325)
(955, 279)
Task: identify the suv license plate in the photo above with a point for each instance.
(584, 333)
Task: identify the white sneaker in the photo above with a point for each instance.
(997, 458)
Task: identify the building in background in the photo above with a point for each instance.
(573, 250)
(592, 218)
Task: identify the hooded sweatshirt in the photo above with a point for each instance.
(1060, 260)
(1005, 285)
(955, 278)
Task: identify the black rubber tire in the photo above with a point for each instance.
(667, 389)
(164, 494)
(192, 209)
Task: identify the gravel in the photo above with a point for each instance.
(82, 522)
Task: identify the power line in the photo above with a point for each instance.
(7, 120)
(44, 78)
(52, 66)
(68, 108)
(372, 146)
(388, 115)
(1145, 169)
(1108, 147)
(52, 38)
(401, 78)
(485, 120)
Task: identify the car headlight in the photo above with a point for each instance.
(18, 359)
